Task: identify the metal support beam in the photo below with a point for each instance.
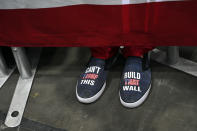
(5, 72)
(173, 54)
(24, 84)
(172, 59)
(22, 62)
(3, 65)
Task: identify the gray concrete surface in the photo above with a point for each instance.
(171, 105)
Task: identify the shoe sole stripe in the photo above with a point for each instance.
(91, 99)
(137, 103)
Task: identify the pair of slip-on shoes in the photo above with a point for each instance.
(135, 82)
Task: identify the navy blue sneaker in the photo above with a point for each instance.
(92, 81)
(135, 82)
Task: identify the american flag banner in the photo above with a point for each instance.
(59, 23)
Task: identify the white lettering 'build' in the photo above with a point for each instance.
(132, 75)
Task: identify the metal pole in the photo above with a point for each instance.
(23, 88)
(22, 62)
(3, 66)
(173, 54)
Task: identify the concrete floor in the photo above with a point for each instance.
(171, 104)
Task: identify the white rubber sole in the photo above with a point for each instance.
(91, 99)
(137, 103)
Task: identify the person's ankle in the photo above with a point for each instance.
(140, 56)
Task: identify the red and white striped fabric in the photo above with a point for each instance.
(98, 22)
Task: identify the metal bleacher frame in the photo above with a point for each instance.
(27, 65)
(5, 72)
(171, 58)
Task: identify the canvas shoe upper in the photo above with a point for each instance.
(135, 82)
(92, 81)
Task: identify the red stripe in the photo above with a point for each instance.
(164, 23)
(125, 18)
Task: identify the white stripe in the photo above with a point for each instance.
(33, 4)
(125, 2)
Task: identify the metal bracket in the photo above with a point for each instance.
(24, 84)
(5, 72)
(172, 59)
